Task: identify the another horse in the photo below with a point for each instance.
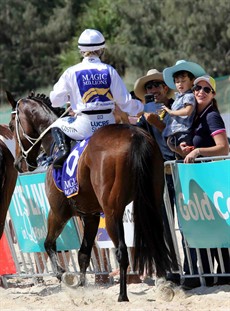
(8, 177)
(120, 164)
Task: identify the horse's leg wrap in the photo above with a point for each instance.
(122, 258)
(50, 248)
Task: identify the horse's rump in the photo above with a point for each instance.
(109, 158)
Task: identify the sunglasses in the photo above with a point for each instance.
(206, 89)
(149, 85)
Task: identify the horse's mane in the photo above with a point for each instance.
(46, 100)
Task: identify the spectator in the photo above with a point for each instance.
(209, 139)
(209, 132)
(181, 76)
(153, 89)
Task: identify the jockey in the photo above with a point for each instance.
(93, 88)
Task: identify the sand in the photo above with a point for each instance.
(52, 295)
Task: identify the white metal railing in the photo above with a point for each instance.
(182, 249)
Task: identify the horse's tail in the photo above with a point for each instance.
(150, 246)
(8, 177)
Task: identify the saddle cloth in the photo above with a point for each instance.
(65, 178)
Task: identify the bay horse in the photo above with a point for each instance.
(120, 164)
(8, 178)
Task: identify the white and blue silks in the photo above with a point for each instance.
(91, 86)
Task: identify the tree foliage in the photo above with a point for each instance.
(33, 34)
(155, 34)
(38, 38)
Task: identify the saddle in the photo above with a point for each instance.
(65, 178)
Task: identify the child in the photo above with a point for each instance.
(181, 76)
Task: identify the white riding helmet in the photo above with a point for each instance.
(91, 40)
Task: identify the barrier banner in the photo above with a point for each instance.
(7, 265)
(203, 203)
(29, 209)
(103, 239)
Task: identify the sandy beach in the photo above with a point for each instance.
(54, 296)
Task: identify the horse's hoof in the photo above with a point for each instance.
(70, 279)
(122, 298)
(165, 292)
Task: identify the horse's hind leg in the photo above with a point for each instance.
(123, 259)
(116, 232)
(91, 223)
(55, 228)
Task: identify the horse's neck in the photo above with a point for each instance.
(44, 129)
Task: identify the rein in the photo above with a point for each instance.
(32, 141)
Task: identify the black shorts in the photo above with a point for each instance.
(180, 137)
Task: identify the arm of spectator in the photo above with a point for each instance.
(221, 148)
(185, 111)
(153, 119)
(5, 131)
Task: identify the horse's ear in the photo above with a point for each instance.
(32, 94)
(11, 99)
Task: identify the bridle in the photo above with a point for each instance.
(31, 140)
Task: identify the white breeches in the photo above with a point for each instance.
(83, 126)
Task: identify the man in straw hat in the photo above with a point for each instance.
(152, 90)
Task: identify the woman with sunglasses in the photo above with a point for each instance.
(210, 139)
(209, 132)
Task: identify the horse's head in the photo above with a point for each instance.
(24, 134)
(29, 118)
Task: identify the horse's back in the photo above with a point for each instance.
(119, 142)
(116, 139)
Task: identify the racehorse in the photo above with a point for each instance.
(120, 164)
(8, 177)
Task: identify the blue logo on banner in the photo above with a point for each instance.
(203, 203)
(29, 209)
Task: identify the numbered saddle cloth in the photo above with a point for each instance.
(65, 178)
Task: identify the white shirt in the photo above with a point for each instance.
(93, 81)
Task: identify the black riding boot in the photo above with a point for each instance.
(63, 145)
